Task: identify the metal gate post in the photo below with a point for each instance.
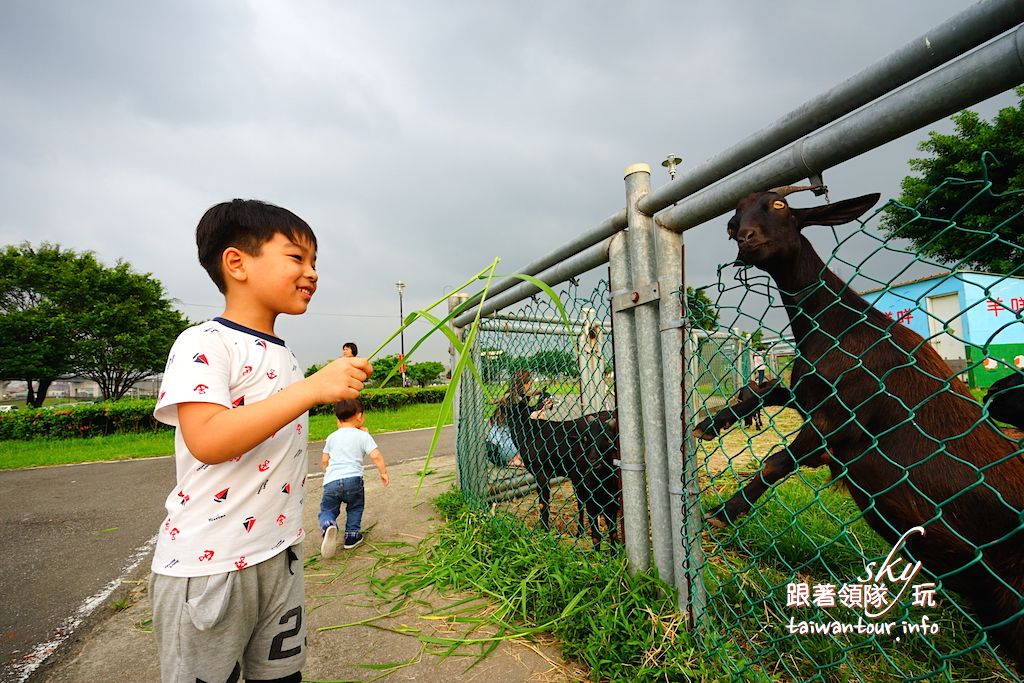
(693, 517)
(645, 297)
(627, 398)
(686, 540)
(453, 357)
(470, 429)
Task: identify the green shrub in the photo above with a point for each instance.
(136, 415)
(87, 419)
(390, 399)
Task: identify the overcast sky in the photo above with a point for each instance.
(419, 139)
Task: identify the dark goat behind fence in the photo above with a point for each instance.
(890, 419)
(582, 450)
(1005, 400)
(745, 405)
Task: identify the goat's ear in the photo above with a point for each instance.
(836, 214)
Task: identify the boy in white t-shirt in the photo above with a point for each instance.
(343, 476)
(227, 583)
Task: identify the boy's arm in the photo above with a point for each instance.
(382, 467)
(325, 460)
(216, 434)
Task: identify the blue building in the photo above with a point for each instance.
(974, 320)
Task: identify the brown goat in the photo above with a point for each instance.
(887, 416)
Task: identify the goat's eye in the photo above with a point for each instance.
(778, 204)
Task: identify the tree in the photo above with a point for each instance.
(381, 368)
(62, 312)
(126, 331)
(424, 373)
(34, 348)
(702, 311)
(979, 212)
(554, 364)
(36, 331)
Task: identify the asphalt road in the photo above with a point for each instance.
(69, 535)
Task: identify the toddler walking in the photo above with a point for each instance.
(343, 476)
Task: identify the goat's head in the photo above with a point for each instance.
(767, 229)
(600, 439)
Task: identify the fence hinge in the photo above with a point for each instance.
(629, 466)
(630, 298)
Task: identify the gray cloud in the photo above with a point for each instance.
(419, 139)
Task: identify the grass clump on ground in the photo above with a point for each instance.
(621, 627)
(807, 530)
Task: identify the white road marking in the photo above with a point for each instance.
(30, 662)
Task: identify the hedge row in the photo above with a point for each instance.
(390, 399)
(136, 415)
(86, 419)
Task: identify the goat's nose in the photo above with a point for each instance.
(743, 235)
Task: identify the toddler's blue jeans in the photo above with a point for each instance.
(348, 491)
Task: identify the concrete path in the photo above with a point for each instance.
(350, 627)
(72, 534)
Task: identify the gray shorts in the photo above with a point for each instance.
(206, 626)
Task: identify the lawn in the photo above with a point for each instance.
(43, 452)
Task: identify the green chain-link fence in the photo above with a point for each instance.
(791, 582)
(544, 413)
(801, 584)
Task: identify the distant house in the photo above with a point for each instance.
(972, 319)
(82, 388)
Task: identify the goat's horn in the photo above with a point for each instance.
(789, 189)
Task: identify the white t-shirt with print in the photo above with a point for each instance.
(347, 447)
(237, 513)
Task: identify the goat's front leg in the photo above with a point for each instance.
(712, 427)
(807, 449)
(582, 506)
(544, 498)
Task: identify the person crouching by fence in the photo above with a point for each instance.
(501, 450)
(342, 462)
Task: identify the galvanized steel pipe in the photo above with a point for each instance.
(631, 428)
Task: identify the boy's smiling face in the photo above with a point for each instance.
(282, 279)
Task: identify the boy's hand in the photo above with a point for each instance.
(384, 478)
(340, 379)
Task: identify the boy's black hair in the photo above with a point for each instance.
(351, 345)
(246, 224)
(348, 408)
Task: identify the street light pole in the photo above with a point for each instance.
(401, 335)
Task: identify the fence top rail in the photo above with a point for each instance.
(528, 318)
(947, 41)
(960, 33)
(555, 329)
(984, 73)
(705, 334)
